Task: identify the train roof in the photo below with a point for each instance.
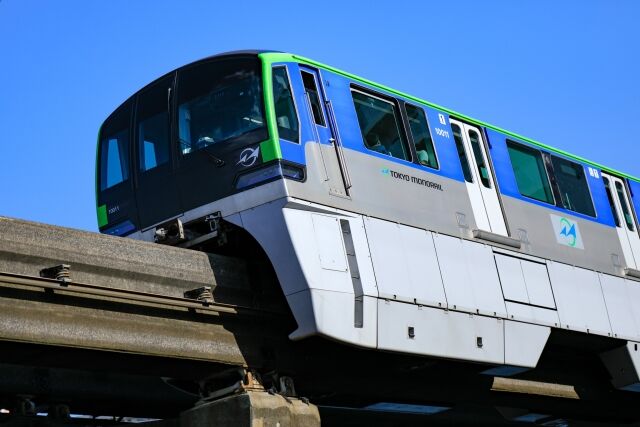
(275, 56)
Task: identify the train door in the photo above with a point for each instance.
(156, 188)
(480, 182)
(623, 216)
(325, 131)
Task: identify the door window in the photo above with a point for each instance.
(626, 212)
(612, 203)
(380, 125)
(483, 170)
(311, 89)
(462, 153)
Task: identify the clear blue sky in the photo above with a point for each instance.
(565, 73)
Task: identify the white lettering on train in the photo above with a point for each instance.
(442, 132)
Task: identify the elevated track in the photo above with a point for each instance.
(142, 330)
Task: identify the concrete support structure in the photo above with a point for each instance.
(252, 409)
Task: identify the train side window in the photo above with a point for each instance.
(531, 175)
(572, 183)
(612, 205)
(462, 153)
(622, 196)
(114, 149)
(152, 118)
(483, 170)
(421, 136)
(311, 88)
(286, 115)
(380, 125)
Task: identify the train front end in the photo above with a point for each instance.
(185, 145)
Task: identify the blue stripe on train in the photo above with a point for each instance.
(508, 186)
(338, 90)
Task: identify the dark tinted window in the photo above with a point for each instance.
(286, 116)
(380, 125)
(152, 118)
(462, 153)
(483, 170)
(628, 216)
(612, 205)
(531, 175)
(114, 148)
(421, 136)
(220, 101)
(311, 89)
(572, 183)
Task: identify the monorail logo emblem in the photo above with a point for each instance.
(567, 232)
(249, 156)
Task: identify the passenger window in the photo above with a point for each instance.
(572, 183)
(462, 153)
(626, 212)
(114, 149)
(421, 136)
(531, 175)
(152, 117)
(220, 102)
(380, 125)
(286, 115)
(612, 205)
(311, 89)
(483, 170)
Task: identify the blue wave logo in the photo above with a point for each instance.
(385, 171)
(569, 232)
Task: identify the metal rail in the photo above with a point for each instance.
(84, 290)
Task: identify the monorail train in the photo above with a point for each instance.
(391, 223)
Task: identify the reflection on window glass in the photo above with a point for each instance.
(530, 172)
(116, 160)
(286, 116)
(483, 170)
(220, 101)
(114, 149)
(421, 136)
(380, 125)
(311, 89)
(573, 186)
(626, 212)
(612, 204)
(152, 117)
(153, 137)
(462, 153)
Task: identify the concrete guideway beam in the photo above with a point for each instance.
(119, 263)
(129, 296)
(38, 321)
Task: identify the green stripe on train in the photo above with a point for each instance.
(287, 57)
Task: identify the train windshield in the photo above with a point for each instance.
(220, 101)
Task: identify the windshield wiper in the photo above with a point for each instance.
(217, 160)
